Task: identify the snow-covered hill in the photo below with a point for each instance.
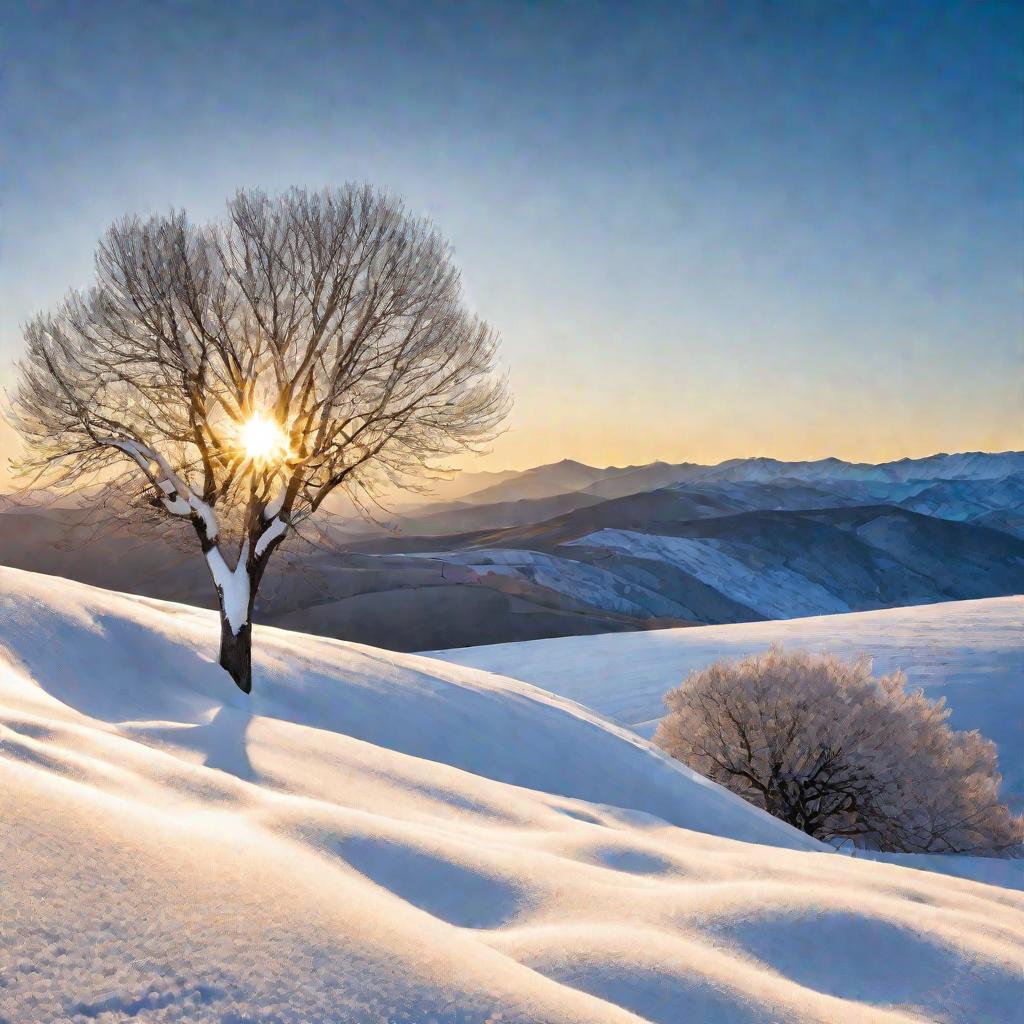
(970, 652)
(377, 837)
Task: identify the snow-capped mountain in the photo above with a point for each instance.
(961, 466)
(616, 482)
(384, 837)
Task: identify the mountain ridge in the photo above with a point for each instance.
(700, 551)
(956, 465)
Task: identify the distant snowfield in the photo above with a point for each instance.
(970, 652)
(386, 838)
(589, 584)
(774, 591)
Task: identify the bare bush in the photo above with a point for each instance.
(840, 754)
(226, 379)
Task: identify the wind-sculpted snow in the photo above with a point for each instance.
(377, 837)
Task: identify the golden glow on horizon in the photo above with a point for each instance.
(632, 440)
(899, 439)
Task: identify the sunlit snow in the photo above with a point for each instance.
(379, 837)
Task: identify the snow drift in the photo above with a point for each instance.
(378, 837)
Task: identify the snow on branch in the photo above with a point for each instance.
(233, 585)
(177, 498)
(278, 528)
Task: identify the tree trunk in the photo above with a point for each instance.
(236, 591)
(236, 653)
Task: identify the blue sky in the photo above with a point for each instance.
(704, 230)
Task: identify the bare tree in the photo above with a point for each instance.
(839, 754)
(230, 377)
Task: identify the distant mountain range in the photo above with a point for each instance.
(972, 487)
(616, 482)
(567, 549)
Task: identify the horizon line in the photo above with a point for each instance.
(747, 458)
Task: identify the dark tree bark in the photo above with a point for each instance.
(236, 653)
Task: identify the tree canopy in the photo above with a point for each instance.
(233, 375)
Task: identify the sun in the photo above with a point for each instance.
(262, 439)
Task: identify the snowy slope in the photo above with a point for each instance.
(693, 556)
(776, 591)
(378, 837)
(589, 584)
(970, 652)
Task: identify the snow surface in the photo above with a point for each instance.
(774, 591)
(375, 837)
(589, 584)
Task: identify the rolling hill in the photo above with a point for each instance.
(648, 556)
(376, 836)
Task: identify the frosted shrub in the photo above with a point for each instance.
(834, 751)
